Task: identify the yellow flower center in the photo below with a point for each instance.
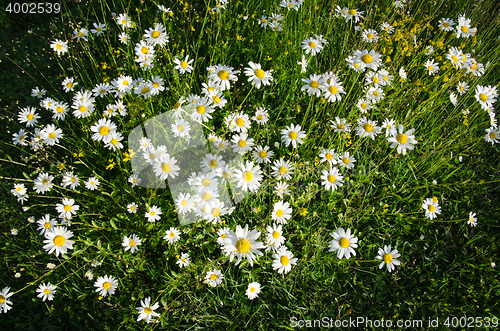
(132, 207)
(131, 243)
(282, 170)
(259, 117)
(340, 127)
(344, 242)
(352, 12)
(180, 128)
(80, 34)
(213, 276)
(376, 93)
(205, 182)
(206, 196)
(445, 24)
(240, 122)
(82, 109)
(368, 127)
(148, 310)
(67, 207)
(152, 213)
(215, 212)
(430, 68)
(216, 99)
(46, 291)
(328, 156)
(59, 109)
(279, 213)
(387, 258)
(124, 22)
(276, 234)
(333, 89)
(69, 85)
(59, 240)
(226, 175)
(331, 178)
(155, 34)
(59, 46)
(492, 135)
(284, 260)
(166, 167)
(171, 233)
(106, 285)
(431, 208)
(454, 58)
(464, 29)
(260, 73)
(104, 130)
(152, 156)
(30, 117)
(252, 289)
(314, 84)
(483, 97)
(52, 135)
(356, 65)
(292, 135)
(184, 64)
(473, 66)
(367, 58)
(401, 138)
(243, 245)
(345, 160)
(248, 176)
(145, 90)
(312, 44)
(242, 143)
(144, 50)
(262, 154)
(375, 79)
(184, 202)
(47, 225)
(369, 36)
(223, 75)
(200, 109)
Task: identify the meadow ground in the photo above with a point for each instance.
(249, 165)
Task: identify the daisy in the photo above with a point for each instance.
(241, 143)
(123, 20)
(131, 243)
(343, 243)
(82, 108)
(222, 76)
(18, 190)
(157, 85)
(370, 35)
(70, 180)
(257, 76)
(347, 161)
(242, 243)
(214, 278)
(388, 257)
(69, 84)
(476, 68)
(389, 126)
(292, 135)
(184, 260)
(492, 135)
(181, 128)
(262, 154)
(134, 180)
(328, 155)
(484, 97)
(46, 291)
(446, 24)
(387, 28)
(172, 235)
(89, 275)
(472, 219)
(4, 302)
(81, 34)
(51, 265)
(253, 290)
(184, 65)
(123, 84)
(46, 224)
(153, 214)
(67, 208)
(432, 66)
(58, 240)
(402, 73)
(375, 94)
(462, 87)
(99, 28)
(249, 177)
(282, 212)
(281, 188)
(275, 236)
(102, 129)
(147, 311)
(132, 208)
(201, 109)
(212, 163)
(123, 37)
(463, 28)
(367, 59)
(261, 115)
(262, 21)
(332, 89)
(92, 183)
(28, 116)
(113, 143)
(283, 260)
(431, 208)
(312, 85)
(340, 125)
(106, 285)
(282, 169)
(312, 46)
(332, 179)
(43, 183)
(402, 140)
(303, 64)
(355, 15)
(59, 46)
(386, 77)
(367, 128)
(165, 166)
(156, 36)
(36, 92)
(205, 182)
(238, 122)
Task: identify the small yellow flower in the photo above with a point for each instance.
(303, 212)
(435, 199)
(61, 166)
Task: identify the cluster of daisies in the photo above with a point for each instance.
(432, 209)
(273, 22)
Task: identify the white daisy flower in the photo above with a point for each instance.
(388, 257)
(106, 285)
(283, 260)
(147, 311)
(58, 240)
(402, 140)
(131, 243)
(332, 178)
(282, 212)
(242, 243)
(432, 208)
(282, 169)
(172, 235)
(253, 290)
(46, 291)
(214, 277)
(343, 243)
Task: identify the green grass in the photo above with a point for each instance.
(446, 265)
